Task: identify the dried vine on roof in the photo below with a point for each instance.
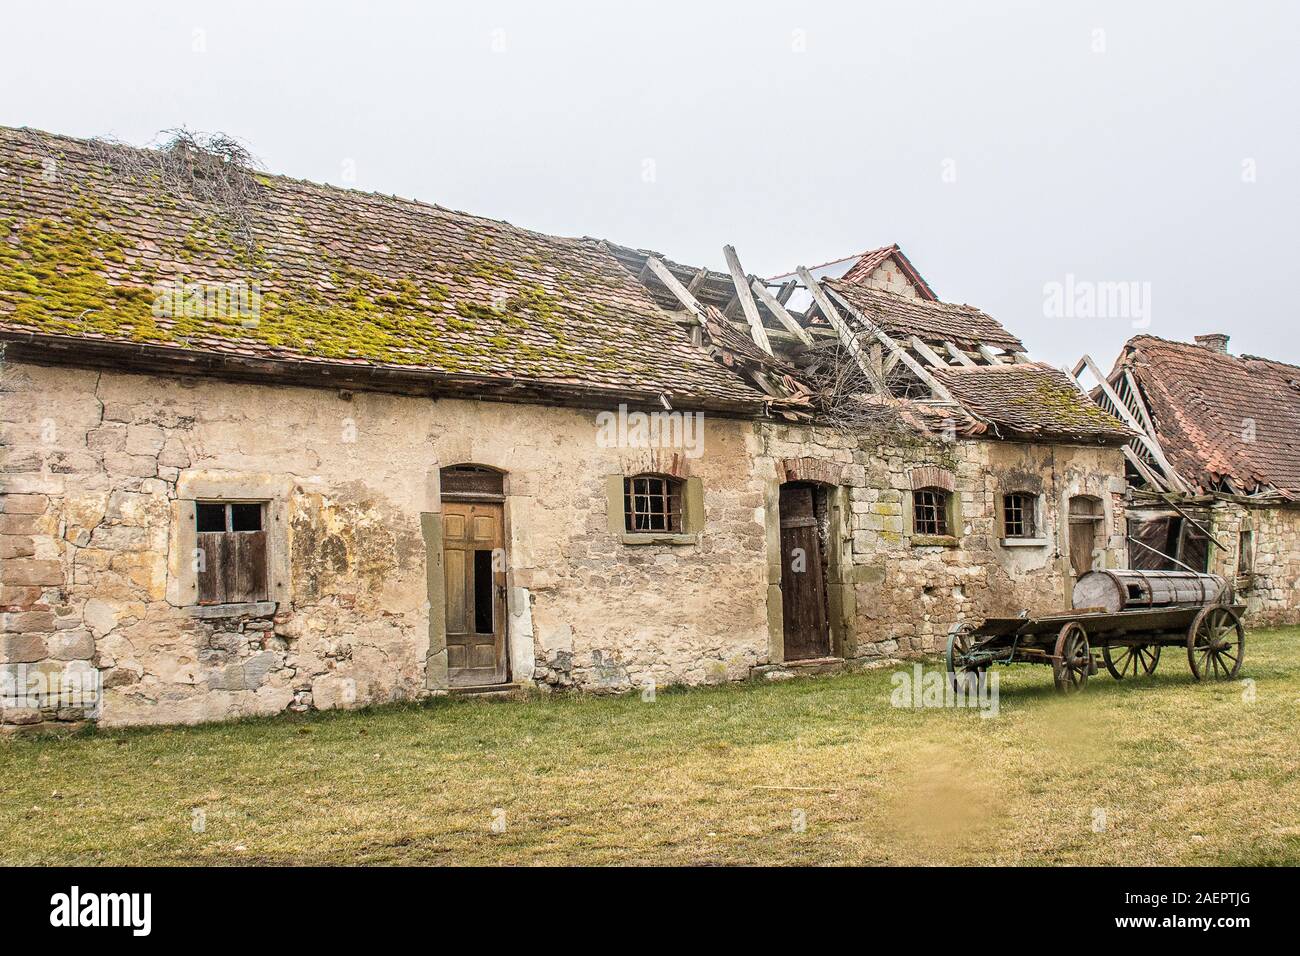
(846, 397)
(204, 171)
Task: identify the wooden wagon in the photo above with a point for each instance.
(1129, 615)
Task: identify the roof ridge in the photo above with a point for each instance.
(300, 181)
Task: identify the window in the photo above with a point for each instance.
(1246, 553)
(1019, 518)
(652, 503)
(230, 552)
(930, 511)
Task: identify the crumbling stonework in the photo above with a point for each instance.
(94, 576)
(102, 473)
(906, 595)
(1270, 590)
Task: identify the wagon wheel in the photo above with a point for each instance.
(1131, 661)
(1216, 643)
(1073, 659)
(961, 638)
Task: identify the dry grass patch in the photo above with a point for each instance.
(1158, 772)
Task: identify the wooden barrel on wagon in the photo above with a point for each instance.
(1114, 590)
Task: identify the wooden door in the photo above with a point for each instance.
(474, 567)
(803, 583)
(1086, 517)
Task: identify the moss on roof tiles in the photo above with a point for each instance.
(337, 275)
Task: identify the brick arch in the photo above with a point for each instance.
(817, 470)
(932, 476)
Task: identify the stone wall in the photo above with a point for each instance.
(98, 466)
(1272, 591)
(101, 470)
(903, 596)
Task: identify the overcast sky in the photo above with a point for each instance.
(1005, 146)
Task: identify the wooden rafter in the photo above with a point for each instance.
(688, 301)
(779, 310)
(990, 356)
(880, 335)
(746, 296)
(927, 353)
(1149, 441)
(958, 354)
(849, 340)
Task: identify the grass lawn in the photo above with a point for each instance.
(1160, 771)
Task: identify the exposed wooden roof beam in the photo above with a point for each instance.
(927, 353)
(1148, 441)
(961, 357)
(846, 335)
(779, 310)
(990, 356)
(1139, 406)
(747, 303)
(1151, 476)
(665, 276)
(931, 382)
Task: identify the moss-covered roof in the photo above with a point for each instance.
(1032, 401)
(94, 249)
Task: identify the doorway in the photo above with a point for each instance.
(474, 567)
(804, 606)
(1086, 516)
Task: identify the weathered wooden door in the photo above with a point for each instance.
(474, 565)
(803, 583)
(1086, 518)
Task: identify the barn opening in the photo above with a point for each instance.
(805, 547)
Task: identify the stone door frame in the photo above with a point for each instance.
(839, 589)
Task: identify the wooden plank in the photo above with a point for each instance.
(990, 356)
(249, 565)
(212, 589)
(747, 303)
(927, 353)
(933, 383)
(847, 337)
(778, 310)
(958, 354)
(664, 275)
(697, 280)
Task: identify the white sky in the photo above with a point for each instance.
(800, 132)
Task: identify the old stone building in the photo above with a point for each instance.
(270, 445)
(1214, 468)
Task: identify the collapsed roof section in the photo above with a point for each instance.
(1206, 422)
(946, 367)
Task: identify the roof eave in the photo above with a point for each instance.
(45, 349)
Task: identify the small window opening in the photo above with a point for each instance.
(231, 555)
(930, 511)
(652, 503)
(1246, 552)
(1018, 518)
